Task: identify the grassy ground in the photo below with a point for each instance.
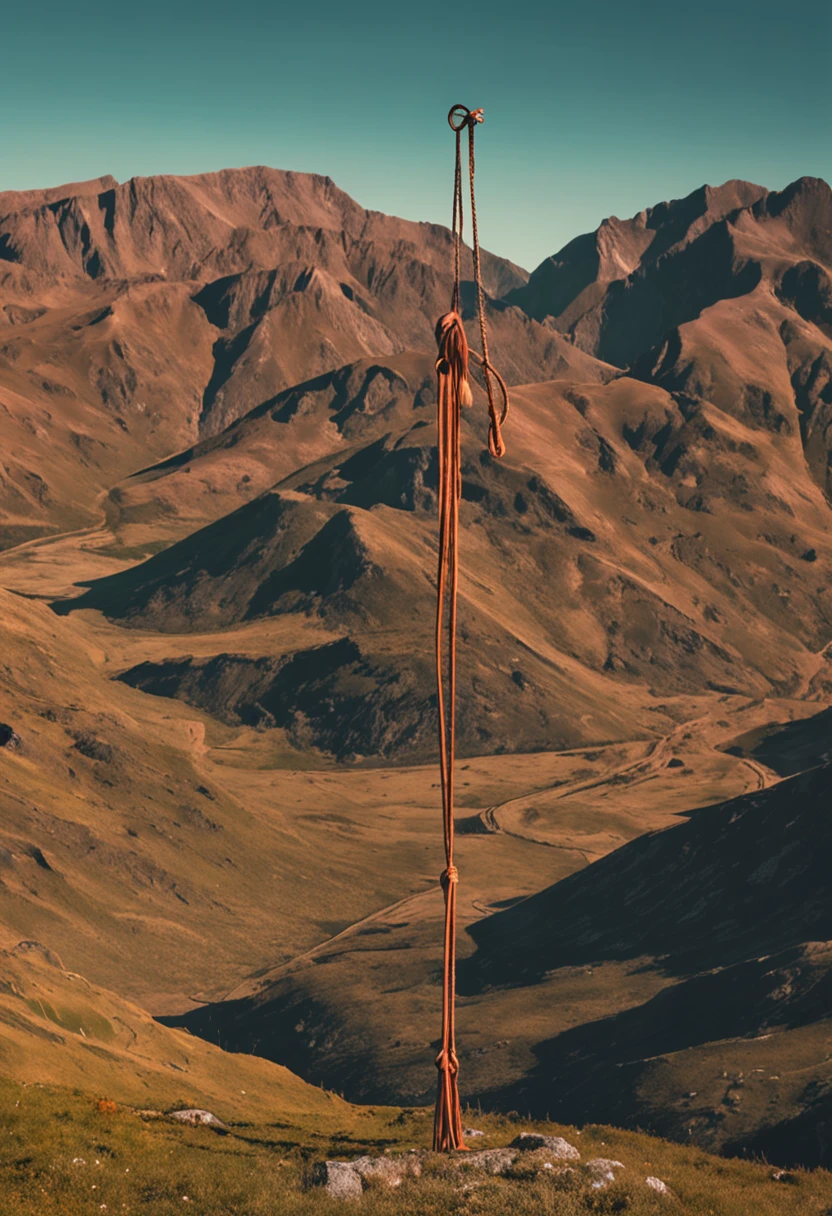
(61, 1155)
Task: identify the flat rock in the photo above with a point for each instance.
(339, 1179)
(389, 1170)
(197, 1118)
(559, 1148)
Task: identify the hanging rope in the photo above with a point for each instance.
(454, 391)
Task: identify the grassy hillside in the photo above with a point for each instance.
(58, 1028)
(62, 1156)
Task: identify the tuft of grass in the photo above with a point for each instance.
(63, 1153)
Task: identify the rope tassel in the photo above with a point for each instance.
(453, 392)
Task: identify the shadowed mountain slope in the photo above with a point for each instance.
(738, 880)
(326, 416)
(733, 908)
(788, 747)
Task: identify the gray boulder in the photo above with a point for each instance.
(657, 1185)
(338, 1178)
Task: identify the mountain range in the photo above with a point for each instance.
(217, 555)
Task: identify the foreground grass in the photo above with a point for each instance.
(60, 1155)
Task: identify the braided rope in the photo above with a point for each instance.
(454, 391)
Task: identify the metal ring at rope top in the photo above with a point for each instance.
(465, 117)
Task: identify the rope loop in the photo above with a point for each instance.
(464, 117)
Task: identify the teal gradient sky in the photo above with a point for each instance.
(592, 109)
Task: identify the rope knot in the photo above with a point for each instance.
(460, 117)
(452, 361)
(448, 876)
(447, 1062)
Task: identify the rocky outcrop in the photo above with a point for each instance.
(348, 1179)
(555, 1146)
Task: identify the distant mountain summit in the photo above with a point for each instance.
(194, 228)
(569, 284)
(162, 309)
(724, 295)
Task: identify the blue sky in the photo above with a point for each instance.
(592, 109)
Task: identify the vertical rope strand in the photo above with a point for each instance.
(453, 391)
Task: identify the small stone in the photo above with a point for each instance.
(560, 1149)
(198, 1118)
(490, 1160)
(656, 1184)
(472, 1132)
(338, 1178)
(602, 1171)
